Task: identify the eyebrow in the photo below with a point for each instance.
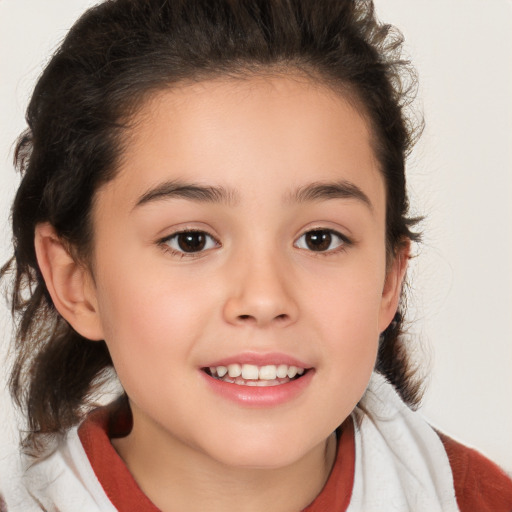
(331, 190)
(191, 191)
(216, 194)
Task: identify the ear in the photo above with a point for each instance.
(393, 285)
(69, 283)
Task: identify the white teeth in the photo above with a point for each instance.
(222, 370)
(282, 371)
(259, 383)
(234, 370)
(268, 372)
(292, 371)
(250, 373)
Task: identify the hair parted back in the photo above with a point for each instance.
(117, 54)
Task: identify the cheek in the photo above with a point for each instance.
(347, 302)
(344, 314)
(149, 319)
(351, 334)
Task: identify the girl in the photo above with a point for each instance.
(213, 205)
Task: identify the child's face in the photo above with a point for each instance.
(281, 270)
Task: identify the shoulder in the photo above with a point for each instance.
(479, 483)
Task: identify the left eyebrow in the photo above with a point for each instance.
(330, 190)
(191, 191)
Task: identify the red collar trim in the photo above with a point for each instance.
(337, 491)
(119, 485)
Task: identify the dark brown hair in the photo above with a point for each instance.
(114, 56)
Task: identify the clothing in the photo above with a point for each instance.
(388, 459)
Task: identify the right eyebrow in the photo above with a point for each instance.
(183, 190)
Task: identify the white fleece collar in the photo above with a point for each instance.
(401, 464)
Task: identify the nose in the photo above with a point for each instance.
(261, 292)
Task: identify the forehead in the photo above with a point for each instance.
(275, 134)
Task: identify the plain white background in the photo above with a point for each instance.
(460, 177)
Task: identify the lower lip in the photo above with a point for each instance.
(253, 396)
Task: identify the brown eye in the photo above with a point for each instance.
(321, 240)
(190, 241)
(318, 240)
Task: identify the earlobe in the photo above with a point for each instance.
(393, 286)
(69, 283)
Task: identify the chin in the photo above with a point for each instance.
(264, 454)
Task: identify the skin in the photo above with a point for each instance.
(257, 287)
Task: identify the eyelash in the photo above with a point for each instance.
(343, 242)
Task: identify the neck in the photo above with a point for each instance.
(175, 476)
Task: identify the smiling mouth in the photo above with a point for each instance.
(252, 375)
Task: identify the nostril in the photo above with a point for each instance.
(280, 317)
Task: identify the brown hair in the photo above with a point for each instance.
(114, 56)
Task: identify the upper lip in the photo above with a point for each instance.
(257, 359)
